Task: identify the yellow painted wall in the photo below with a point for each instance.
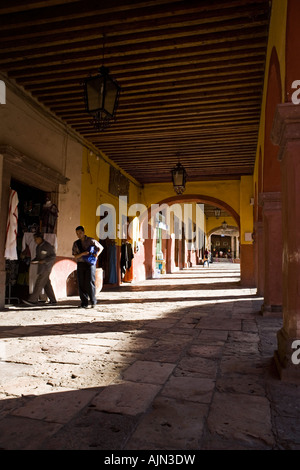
(227, 191)
(212, 223)
(95, 190)
(95, 180)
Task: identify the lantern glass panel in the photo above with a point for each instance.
(178, 178)
(95, 94)
(111, 93)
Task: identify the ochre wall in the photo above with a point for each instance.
(95, 190)
(234, 196)
(224, 191)
(212, 223)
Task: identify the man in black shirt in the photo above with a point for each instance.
(86, 251)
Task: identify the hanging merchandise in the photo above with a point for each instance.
(12, 227)
(112, 263)
(49, 216)
(126, 261)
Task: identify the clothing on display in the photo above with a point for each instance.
(30, 210)
(12, 227)
(126, 257)
(108, 261)
(112, 264)
(48, 217)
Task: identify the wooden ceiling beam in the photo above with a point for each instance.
(160, 51)
(13, 60)
(63, 12)
(66, 95)
(191, 74)
(125, 11)
(122, 35)
(49, 83)
(212, 131)
(192, 146)
(95, 26)
(74, 73)
(199, 116)
(179, 121)
(211, 110)
(165, 127)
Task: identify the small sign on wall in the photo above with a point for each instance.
(248, 237)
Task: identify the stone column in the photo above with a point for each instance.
(272, 250)
(286, 134)
(247, 265)
(232, 246)
(237, 244)
(259, 257)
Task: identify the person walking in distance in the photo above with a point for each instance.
(206, 258)
(45, 257)
(86, 251)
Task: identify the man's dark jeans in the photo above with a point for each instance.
(86, 275)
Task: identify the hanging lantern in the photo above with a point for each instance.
(217, 212)
(224, 225)
(101, 98)
(179, 178)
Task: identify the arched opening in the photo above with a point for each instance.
(271, 165)
(177, 249)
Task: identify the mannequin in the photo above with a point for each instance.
(49, 216)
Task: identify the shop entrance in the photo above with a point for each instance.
(31, 209)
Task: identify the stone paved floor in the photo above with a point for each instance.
(181, 362)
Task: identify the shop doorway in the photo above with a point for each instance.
(30, 210)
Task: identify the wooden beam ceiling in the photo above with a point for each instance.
(191, 74)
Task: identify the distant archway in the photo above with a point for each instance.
(219, 229)
(202, 199)
(178, 259)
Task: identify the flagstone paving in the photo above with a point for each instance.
(183, 362)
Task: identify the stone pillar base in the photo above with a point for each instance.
(286, 358)
(271, 311)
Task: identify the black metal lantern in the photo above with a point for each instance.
(101, 98)
(179, 178)
(217, 212)
(224, 225)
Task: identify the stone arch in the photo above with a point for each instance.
(200, 198)
(215, 229)
(271, 165)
